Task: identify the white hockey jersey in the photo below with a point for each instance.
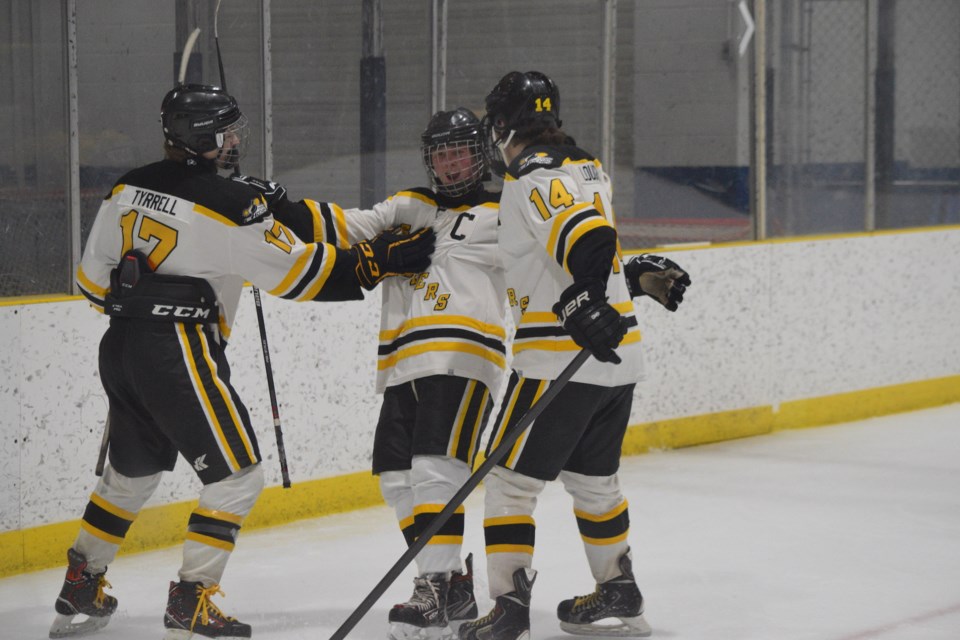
(448, 320)
(551, 197)
(193, 222)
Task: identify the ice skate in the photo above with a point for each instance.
(424, 615)
(510, 617)
(614, 609)
(461, 603)
(191, 614)
(82, 595)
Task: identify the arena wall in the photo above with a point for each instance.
(778, 334)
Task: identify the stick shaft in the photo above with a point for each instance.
(104, 444)
(274, 407)
(495, 456)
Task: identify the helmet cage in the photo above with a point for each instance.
(452, 140)
(467, 177)
(232, 142)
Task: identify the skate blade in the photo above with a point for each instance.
(404, 631)
(64, 627)
(635, 627)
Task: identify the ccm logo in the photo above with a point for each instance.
(169, 310)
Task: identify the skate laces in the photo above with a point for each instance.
(101, 596)
(487, 619)
(205, 607)
(586, 602)
(424, 593)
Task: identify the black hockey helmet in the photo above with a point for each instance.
(521, 100)
(453, 136)
(200, 118)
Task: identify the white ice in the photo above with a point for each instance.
(849, 532)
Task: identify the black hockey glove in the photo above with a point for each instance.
(391, 253)
(591, 321)
(658, 277)
(272, 192)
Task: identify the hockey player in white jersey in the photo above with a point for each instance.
(166, 259)
(441, 357)
(568, 289)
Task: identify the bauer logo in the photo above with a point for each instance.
(202, 123)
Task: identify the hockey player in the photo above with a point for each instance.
(568, 289)
(166, 259)
(441, 357)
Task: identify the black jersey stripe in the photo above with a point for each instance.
(223, 530)
(567, 228)
(114, 526)
(606, 529)
(511, 535)
(527, 333)
(451, 532)
(316, 263)
(92, 298)
(471, 426)
(229, 423)
(431, 334)
(329, 224)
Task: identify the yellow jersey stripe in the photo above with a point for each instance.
(295, 271)
(567, 344)
(578, 231)
(461, 417)
(475, 432)
(102, 535)
(610, 515)
(506, 418)
(499, 521)
(329, 259)
(416, 196)
(202, 395)
(559, 221)
(227, 398)
(318, 226)
(111, 508)
(210, 542)
(89, 285)
(605, 541)
(213, 215)
(518, 445)
(446, 540)
(510, 548)
(460, 321)
(340, 222)
(226, 516)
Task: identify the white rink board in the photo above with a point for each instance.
(762, 324)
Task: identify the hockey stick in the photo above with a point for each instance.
(104, 444)
(268, 368)
(506, 443)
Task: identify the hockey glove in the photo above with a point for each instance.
(393, 254)
(591, 321)
(272, 192)
(658, 277)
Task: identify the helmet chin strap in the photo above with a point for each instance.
(503, 144)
